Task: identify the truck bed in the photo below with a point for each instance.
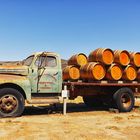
(104, 83)
(99, 87)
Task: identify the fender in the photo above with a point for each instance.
(21, 81)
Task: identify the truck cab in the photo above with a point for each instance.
(45, 73)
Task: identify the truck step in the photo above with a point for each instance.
(44, 101)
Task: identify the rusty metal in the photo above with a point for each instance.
(25, 77)
(13, 69)
(105, 83)
(8, 104)
(43, 101)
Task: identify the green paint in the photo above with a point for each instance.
(35, 78)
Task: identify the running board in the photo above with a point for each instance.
(44, 101)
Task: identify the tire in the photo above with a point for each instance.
(11, 102)
(92, 101)
(124, 99)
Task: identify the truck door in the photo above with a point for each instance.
(48, 74)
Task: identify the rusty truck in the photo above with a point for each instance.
(38, 80)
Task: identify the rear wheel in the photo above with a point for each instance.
(124, 99)
(11, 103)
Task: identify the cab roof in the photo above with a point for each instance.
(51, 53)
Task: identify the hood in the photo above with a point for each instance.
(14, 69)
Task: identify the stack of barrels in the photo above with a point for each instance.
(103, 63)
(72, 71)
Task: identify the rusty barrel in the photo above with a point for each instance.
(122, 57)
(114, 72)
(71, 73)
(78, 60)
(135, 58)
(92, 71)
(103, 55)
(129, 73)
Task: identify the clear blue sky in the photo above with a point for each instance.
(67, 26)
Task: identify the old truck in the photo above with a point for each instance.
(38, 80)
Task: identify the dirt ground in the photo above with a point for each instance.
(80, 123)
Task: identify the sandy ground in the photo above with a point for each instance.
(80, 123)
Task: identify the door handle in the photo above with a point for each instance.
(55, 74)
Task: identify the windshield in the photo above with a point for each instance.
(28, 61)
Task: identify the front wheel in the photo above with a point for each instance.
(11, 103)
(124, 99)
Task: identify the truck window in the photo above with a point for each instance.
(46, 61)
(28, 60)
(51, 61)
(40, 61)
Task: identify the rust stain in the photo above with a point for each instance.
(11, 69)
(46, 83)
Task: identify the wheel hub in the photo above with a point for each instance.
(126, 100)
(8, 104)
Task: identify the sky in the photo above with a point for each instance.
(67, 26)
